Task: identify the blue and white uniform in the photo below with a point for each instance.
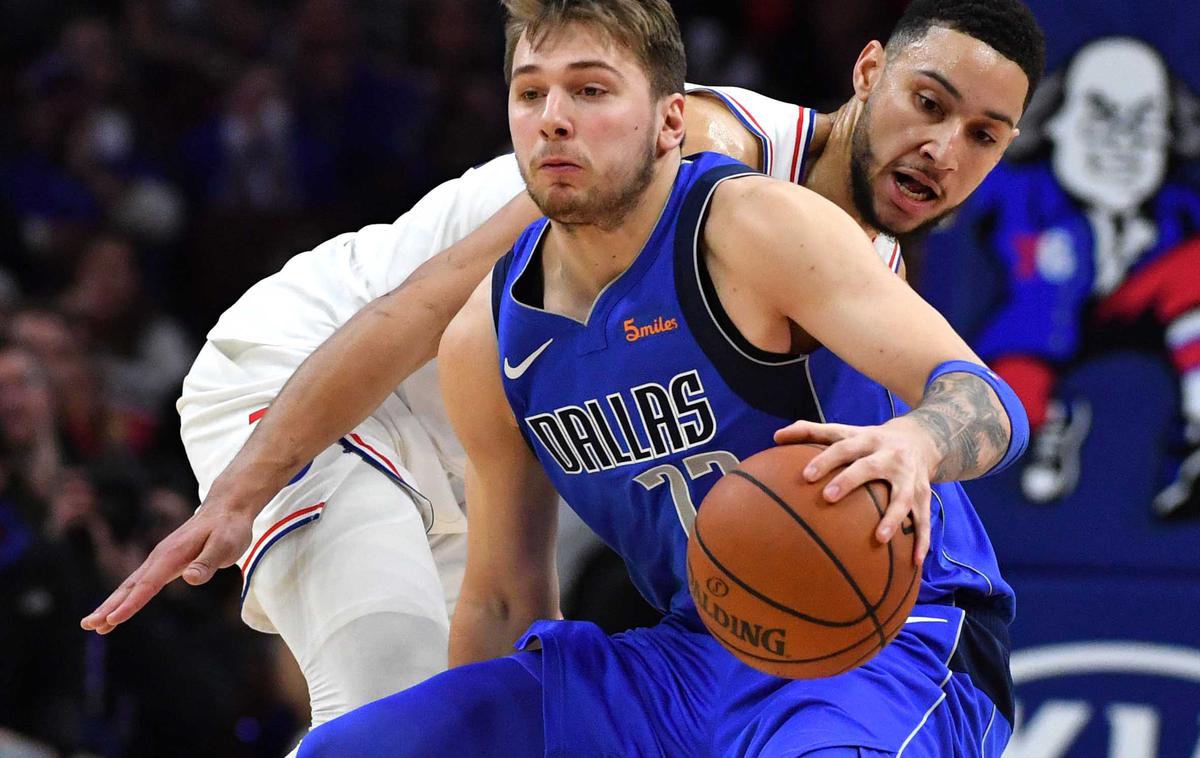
(633, 415)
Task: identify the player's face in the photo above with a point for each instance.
(584, 127)
(937, 118)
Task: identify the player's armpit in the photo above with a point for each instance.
(510, 577)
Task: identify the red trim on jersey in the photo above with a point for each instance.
(894, 261)
(377, 454)
(799, 142)
(276, 527)
(257, 415)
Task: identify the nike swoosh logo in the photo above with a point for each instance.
(517, 371)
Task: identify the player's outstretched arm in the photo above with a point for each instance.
(385, 342)
(806, 261)
(510, 577)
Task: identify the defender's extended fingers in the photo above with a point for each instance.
(95, 621)
(161, 567)
(118, 607)
(811, 431)
(140, 593)
(165, 562)
(218, 552)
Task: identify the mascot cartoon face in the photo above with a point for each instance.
(1112, 134)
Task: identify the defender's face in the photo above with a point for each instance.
(583, 124)
(938, 118)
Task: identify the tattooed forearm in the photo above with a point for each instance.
(967, 423)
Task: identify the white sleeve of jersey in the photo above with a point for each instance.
(784, 130)
(319, 290)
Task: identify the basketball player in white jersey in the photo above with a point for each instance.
(358, 598)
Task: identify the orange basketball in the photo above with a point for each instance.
(791, 584)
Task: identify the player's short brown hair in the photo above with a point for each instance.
(646, 27)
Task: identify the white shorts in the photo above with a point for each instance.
(225, 394)
(369, 554)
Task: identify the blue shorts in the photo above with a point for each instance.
(672, 690)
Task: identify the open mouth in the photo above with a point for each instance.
(914, 188)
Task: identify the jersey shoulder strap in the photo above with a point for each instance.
(784, 130)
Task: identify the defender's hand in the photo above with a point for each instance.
(898, 452)
(214, 537)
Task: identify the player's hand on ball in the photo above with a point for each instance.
(898, 452)
(214, 537)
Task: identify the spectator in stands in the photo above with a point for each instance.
(254, 155)
(143, 352)
(41, 672)
(30, 454)
(89, 427)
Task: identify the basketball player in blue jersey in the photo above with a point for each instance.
(667, 320)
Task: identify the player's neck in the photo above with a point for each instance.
(580, 260)
(831, 152)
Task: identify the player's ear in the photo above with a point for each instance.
(671, 112)
(868, 69)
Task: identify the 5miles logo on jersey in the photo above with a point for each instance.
(634, 332)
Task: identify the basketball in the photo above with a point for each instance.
(791, 584)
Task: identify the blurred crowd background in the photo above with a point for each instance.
(157, 157)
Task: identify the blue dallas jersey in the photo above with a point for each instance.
(636, 413)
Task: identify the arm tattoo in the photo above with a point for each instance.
(966, 422)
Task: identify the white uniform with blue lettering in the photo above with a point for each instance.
(363, 601)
